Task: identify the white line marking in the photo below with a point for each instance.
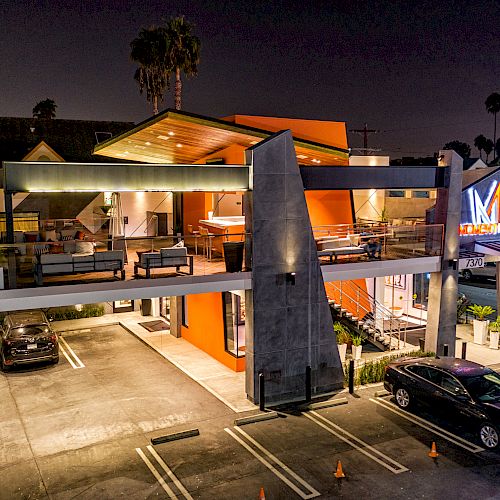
(156, 474)
(313, 493)
(463, 443)
(67, 357)
(171, 475)
(328, 424)
(75, 357)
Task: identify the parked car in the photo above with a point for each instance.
(489, 271)
(27, 337)
(466, 393)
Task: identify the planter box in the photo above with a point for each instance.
(494, 340)
(342, 351)
(356, 351)
(233, 255)
(480, 331)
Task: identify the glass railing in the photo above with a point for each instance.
(71, 254)
(360, 242)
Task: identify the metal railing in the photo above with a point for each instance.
(375, 318)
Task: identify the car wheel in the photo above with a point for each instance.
(488, 434)
(5, 368)
(467, 275)
(55, 360)
(403, 398)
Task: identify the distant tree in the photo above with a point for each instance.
(45, 110)
(479, 144)
(492, 104)
(488, 148)
(461, 148)
(149, 49)
(183, 52)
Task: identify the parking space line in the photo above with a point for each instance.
(156, 474)
(171, 475)
(357, 443)
(310, 491)
(77, 363)
(425, 424)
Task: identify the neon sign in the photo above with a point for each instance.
(485, 214)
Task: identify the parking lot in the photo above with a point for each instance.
(83, 429)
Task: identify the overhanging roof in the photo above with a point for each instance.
(179, 137)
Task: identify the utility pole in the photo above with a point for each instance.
(364, 132)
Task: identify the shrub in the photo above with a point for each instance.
(88, 311)
(342, 333)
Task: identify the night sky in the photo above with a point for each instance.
(419, 71)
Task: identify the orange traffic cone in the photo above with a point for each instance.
(339, 473)
(262, 495)
(433, 453)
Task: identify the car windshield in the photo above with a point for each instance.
(485, 387)
(29, 331)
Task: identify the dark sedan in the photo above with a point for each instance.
(466, 393)
(27, 337)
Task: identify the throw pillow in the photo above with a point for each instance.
(31, 237)
(49, 235)
(41, 249)
(179, 245)
(79, 235)
(56, 248)
(67, 234)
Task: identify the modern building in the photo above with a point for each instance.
(286, 189)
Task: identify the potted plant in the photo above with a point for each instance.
(494, 333)
(480, 322)
(357, 346)
(343, 338)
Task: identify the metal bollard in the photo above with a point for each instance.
(445, 350)
(351, 376)
(262, 392)
(464, 350)
(308, 383)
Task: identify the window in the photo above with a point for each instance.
(234, 323)
(396, 194)
(184, 316)
(451, 384)
(420, 194)
(421, 291)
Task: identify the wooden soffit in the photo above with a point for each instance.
(178, 137)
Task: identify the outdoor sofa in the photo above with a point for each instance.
(334, 246)
(167, 257)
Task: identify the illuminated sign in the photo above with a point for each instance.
(484, 213)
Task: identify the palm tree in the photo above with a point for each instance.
(492, 104)
(149, 49)
(183, 52)
(45, 110)
(488, 148)
(479, 144)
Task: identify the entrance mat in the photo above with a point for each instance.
(155, 326)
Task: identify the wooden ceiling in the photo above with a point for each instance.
(182, 138)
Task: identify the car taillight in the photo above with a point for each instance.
(386, 368)
(53, 338)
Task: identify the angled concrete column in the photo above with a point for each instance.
(288, 321)
(443, 287)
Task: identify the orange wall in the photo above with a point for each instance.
(206, 328)
(329, 207)
(324, 132)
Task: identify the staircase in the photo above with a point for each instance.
(360, 312)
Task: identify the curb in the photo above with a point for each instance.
(324, 404)
(175, 436)
(381, 394)
(260, 417)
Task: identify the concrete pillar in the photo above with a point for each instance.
(155, 307)
(443, 287)
(288, 321)
(175, 316)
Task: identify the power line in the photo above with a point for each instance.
(364, 132)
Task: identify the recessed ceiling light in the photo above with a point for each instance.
(253, 142)
(171, 133)
(139, 147)
(163, 137)
(302, 157)
(147, 143)
(179, 145)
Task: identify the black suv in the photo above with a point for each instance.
(27, 337)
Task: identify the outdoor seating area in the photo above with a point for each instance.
(176, 257)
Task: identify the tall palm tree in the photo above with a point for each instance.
(479, 144)
(149, 49)
(488, 148)
(492, 104)
(183, 52)
(45, 110)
